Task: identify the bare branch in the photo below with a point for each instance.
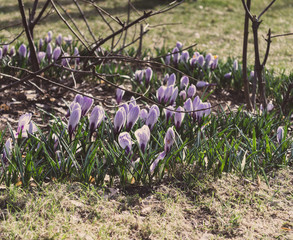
(266, 9)
(268, 49)
(247, 10)
(282, 35)
(14, 39)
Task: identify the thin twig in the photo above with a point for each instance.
(14, 39)
(268, 49)
(282, 35)
(247, 10)
(266, 9)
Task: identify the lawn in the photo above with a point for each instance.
(216, 26)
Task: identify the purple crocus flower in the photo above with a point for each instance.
(169, 139)
(76, 54)
(41, 56)
(74, 118)
(143, 115)
(184, 81)
(65, 60)
(166, 78)
(169, 113)
(22, 50)
(49, 51)
(192, 61)
(56, 53)
(172, 79)
(251, 76)
(78, 98)
(148, 75)
(182, 94)
(97, 116)
(59, 39)
(119, 120)
(208, 59)
(86, 105)
(138, 75)
(168, 59)
(184, 56)
(228, 75)
(132, 117)
(176, 55)
(270, 106)
(191, 91)
(49, 36)
(214, 63)
(68, 39)
(126, 107)
(152, 118)
(280, 134)
(124, 140)
(174, 96)
(200, 60)
(178, 117)
(7, 150)
(160, 93)
(201, 84)
(160, 157)
(156, 108)
(23, 123)
(5, 49)
(179, 45)
(235, 65)
(41, 43)
(119, 94)
(195, 103)
(168, 93)
(12, 52)
(205, 110)
(143, 136)
(188, 106)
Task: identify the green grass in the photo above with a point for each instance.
(216, 26)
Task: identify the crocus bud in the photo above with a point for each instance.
(32, 128)
(56, 141)
(124, 140)
(178, 117)
(188, 106)
(86, 105)
(208, 59)
(148, 75)
(235, 65)
(76, 54)
(228, 75)
(156, 108)
(97, 116)
(22, 51)
(59, 39)
(12, 52)
(23, 123)
(49, 36)
(169, 113)
(152, 118)
(169, 139)
(41, 43)
(192, 62)
(126, 107)
(41, 56)
(119, 94)
(204, 109)
(132, 117)
(74, 118)
(49, 51)
(174, 96)
(143, 114)
(78, 98)
(65, 61)
(138, 75)
(5, 49)
(172, 79)
(184, 81)
(168, 59)
(7, 150)
(280, 134)
(166, 78)
(179, 45)
(119, 120)
(68, 39)
(195, 103)
(143, 136)
(160, 93)
(168, 93)
(200, 60)
(191, 91)
(160, 157)
(56, 53)
(270, 106)
(184, 56)
(182, 94)
(176, 55)
(201, 84)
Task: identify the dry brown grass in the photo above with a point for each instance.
(230, 207)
